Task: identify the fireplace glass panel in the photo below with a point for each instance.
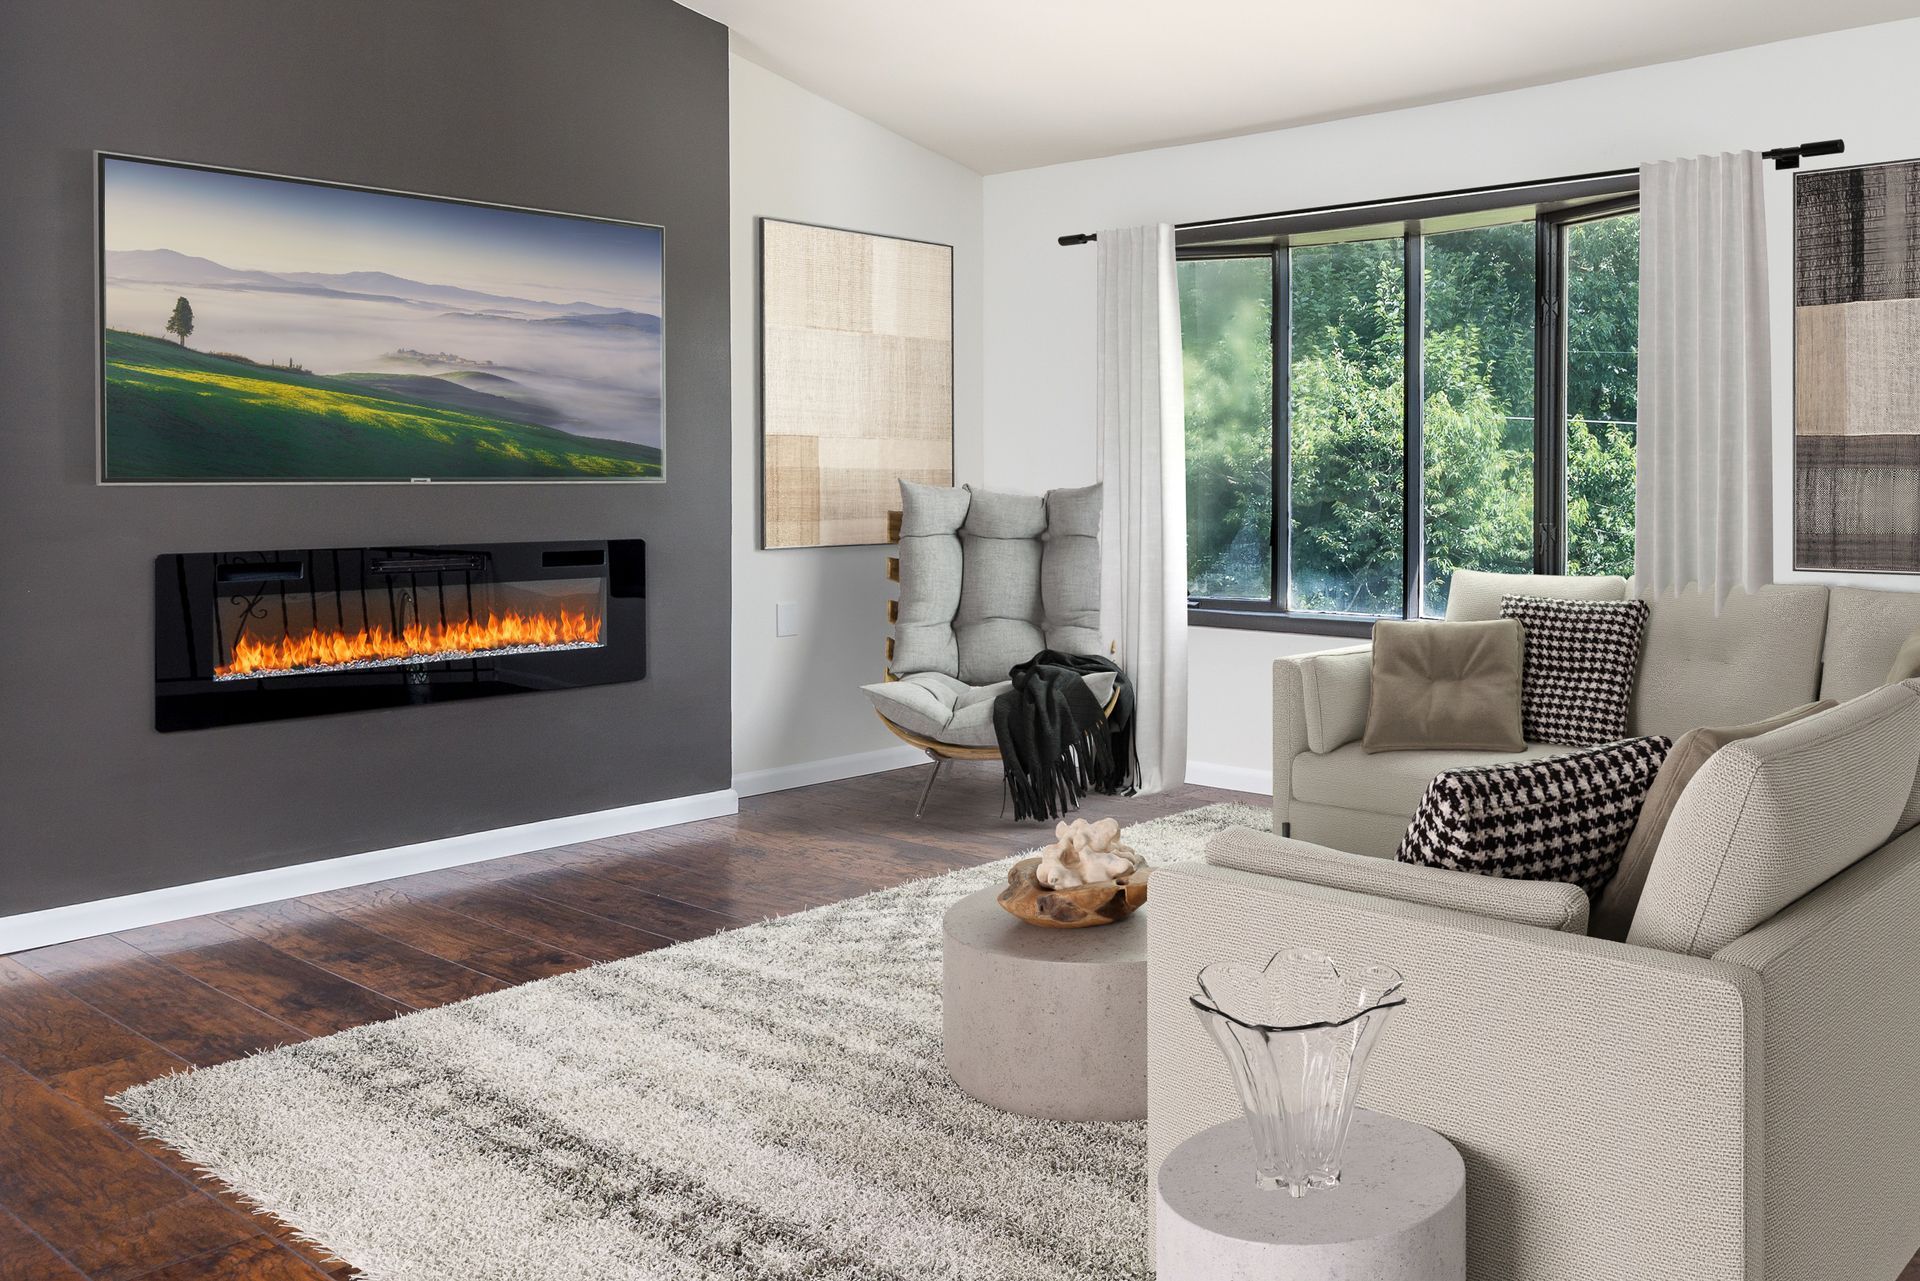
(271, 624)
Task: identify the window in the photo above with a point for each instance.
(1602, 293)
(1448, 390)
(1346, 428)
(1226, 323)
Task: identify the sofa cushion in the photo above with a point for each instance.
(1864, 632)
(1444, 686)
(1549, 905)
(1769, 818)
(1334, 690)
(1355, 831)
(949, 711)
(1580, 663)
(1757, 657)
(1389, 782)
(1910, 815)
(1906, 663)
(1474, 595)
(930, 520)
(1566, 818)
(1070, 571)
(1613, 913)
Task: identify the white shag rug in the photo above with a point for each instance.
(767, 1103)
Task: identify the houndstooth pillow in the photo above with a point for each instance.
(1563, 818)
(1576, 680)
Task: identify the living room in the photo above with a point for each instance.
(1250, 643)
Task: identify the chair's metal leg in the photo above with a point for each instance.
(927, 791)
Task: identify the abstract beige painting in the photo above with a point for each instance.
(856, 380)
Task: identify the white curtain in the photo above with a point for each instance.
(1142, 429)
(1705, 451)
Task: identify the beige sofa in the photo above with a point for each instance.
(1764, 653)
(1733, 1094)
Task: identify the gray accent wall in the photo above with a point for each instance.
(609, 107)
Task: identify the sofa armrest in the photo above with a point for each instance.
(1319, 703)
(1842, 1042)
(1603, 1096)
(1551, 905)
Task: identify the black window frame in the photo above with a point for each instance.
(1556, 207)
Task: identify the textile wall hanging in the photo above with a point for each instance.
(1856, 361)
(856, 380)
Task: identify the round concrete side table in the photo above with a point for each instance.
(1399, 1213)
(1045, 1022)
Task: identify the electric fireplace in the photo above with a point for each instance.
(266, 635)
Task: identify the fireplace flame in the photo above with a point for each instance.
(376, 646)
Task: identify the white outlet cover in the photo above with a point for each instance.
(786, 618)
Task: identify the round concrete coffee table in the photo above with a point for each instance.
(1045, 1022)
(1399, 1213)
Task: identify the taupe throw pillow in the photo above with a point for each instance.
(1613, 911)
(1449, 686)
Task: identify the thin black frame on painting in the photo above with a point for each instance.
(1556, 206)
(760, 367)
(101, 476)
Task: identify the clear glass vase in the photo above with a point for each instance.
(1296, 1034)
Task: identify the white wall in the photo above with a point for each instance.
(1039, 376)
(798, 714)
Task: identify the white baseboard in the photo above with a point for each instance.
(781, 777)
(1234, 778)
(105, 916)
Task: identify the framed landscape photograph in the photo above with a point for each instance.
(256, 328)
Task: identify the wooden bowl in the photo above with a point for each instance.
(1098, 903)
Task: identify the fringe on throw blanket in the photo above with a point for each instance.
(1056, 739)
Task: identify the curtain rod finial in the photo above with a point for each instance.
(1079, 238)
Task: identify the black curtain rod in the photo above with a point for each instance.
(1782, 157)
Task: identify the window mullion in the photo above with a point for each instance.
(1413, 383)
(1281, 536)
(1549, 399)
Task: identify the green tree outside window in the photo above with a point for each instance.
(1346, 412)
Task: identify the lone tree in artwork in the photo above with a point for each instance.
(181, 321)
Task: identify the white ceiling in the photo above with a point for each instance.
(1009, 84)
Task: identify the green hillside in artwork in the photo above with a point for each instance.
(173, 413)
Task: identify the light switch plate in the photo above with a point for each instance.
(786, 618)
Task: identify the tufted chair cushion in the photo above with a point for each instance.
(930, 520)
(1013, 573)
(949, 711)
(1070, 571)
(987, 580)
(999, 621)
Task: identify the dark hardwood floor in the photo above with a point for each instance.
(81, 1196)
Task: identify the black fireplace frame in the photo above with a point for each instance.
(187, 588)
